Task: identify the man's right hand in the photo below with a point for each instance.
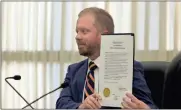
(91, 102)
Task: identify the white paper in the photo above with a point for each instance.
(116, 68)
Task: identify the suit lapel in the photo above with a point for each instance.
(81, 74)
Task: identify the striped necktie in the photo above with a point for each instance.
(89, 87)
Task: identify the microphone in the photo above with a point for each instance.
(63, 85)
(17, 77)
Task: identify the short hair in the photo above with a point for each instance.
(103, 19)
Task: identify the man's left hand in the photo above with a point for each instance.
(131, 102)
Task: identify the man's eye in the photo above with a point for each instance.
(84, 31)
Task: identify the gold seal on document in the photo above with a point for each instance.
(106, 92)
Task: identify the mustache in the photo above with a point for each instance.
(81, 43)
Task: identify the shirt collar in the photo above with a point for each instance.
(96, 61)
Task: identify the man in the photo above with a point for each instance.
(82, 90)
(172, 96)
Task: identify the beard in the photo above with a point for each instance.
(88, 50)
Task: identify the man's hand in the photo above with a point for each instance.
(131, 102)
(91, 102)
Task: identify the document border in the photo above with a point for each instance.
(131, 35)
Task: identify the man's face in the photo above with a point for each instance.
(88, 37)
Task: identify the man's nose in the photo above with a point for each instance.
(78, 37)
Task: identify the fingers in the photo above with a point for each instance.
(97, 96)
(86, 106)
(132, 102)
(125, 105)
(133, 98)
(95, 102)
(89, 106)
(129, 103)
(92, 101)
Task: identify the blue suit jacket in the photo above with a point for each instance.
(71, 96)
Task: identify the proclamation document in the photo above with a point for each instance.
(116, 68)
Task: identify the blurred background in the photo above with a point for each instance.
(38, 42)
